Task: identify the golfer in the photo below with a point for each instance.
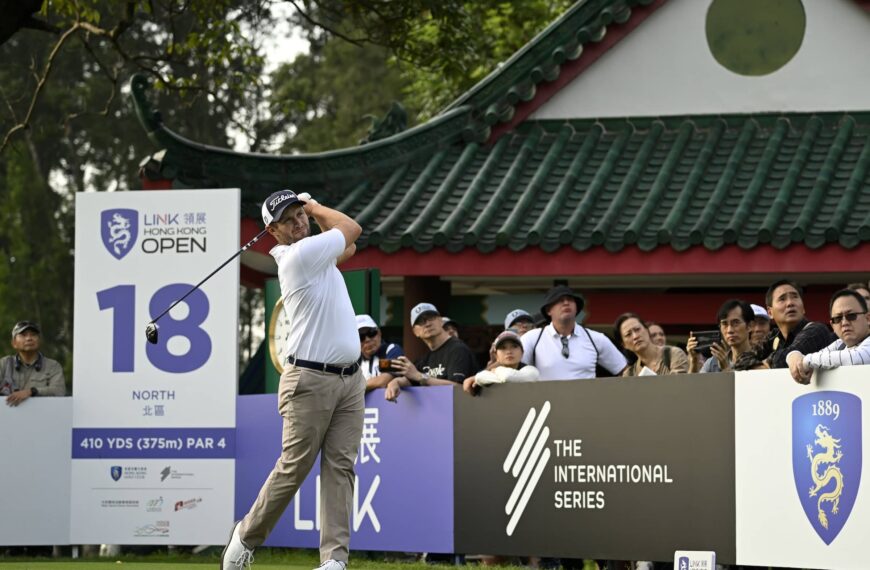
(321, 393)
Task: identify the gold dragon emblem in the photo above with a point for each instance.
(831, 455)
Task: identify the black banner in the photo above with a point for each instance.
(610, 468)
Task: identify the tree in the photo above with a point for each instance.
(201, 48)
(328, 99)
(442, 47)
(440, 63)
(366, 53)
(36, 279)
(69, 130)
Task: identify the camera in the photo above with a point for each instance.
(706, 340)
(385, 364)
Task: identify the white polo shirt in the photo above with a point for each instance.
(547, 356)
(316, 300)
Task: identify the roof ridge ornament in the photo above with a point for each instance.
(394, 122)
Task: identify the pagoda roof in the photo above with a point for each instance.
(482, 175)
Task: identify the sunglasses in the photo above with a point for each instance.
(368, 334)
(851, 317)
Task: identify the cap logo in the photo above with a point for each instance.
(278, 199)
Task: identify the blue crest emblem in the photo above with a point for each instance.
(116, 471)
(826, 458)
(119, 228)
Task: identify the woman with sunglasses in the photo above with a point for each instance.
(851, 323)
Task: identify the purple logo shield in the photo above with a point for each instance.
(826, 458)
(119, 228)
(115, 471)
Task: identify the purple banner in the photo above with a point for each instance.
(404, 490)
(153, 443)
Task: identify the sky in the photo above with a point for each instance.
(283, 43)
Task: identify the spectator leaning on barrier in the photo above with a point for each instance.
(656, 333)
(848, 310)
(28, 372)
(862, 290)
(734, 317)
(759, 329)
(519, 320)
(794, 332)
(373, 350)
(564, 350)
(448, 362)
(508, 366)
(634, 335)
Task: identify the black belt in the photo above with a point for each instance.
(322, 367)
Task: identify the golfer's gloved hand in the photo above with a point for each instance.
(306, 197)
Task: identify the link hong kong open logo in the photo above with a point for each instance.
(119, 228)
(525, 461)
(826, 458)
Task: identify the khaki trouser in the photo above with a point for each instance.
(322, 413)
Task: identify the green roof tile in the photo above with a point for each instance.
(743, 180)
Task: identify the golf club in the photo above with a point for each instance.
(151, 329)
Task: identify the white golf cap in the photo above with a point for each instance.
(420, 309)
(365, 322)
(514, 315)
(760, 311)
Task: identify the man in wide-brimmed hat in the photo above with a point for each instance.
(565, 350)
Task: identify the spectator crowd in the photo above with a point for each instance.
(552, 345)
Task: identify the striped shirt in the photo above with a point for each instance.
(836, 354)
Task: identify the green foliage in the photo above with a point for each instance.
(35, 255)
(325, 100)
(364, 55)
(443, 58)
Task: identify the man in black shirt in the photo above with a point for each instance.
(793, 331)
(448, 362)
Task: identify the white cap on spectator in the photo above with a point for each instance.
(514, 315)
(365, 322)
(420, 309)
(759, 311)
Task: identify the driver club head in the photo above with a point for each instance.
(151, 333)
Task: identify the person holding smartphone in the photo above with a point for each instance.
(734, 318)
(377, 355)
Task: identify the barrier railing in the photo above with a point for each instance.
(753, 466)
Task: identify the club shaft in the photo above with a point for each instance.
(209, 276)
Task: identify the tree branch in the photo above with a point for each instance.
(25, 123)
(359, 42)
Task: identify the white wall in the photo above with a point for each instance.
(772, 528)
(664, 67)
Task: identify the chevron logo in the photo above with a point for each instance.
(526, 461)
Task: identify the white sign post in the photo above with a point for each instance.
(154, 425)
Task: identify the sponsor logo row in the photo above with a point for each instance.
(154, 505)
(117, 473)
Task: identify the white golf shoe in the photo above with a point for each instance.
(236, 555)
(332, 565)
